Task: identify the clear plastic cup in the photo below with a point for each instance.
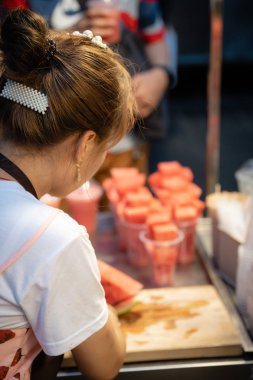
(136, 254)
(110, 12)
(187, 253)
(163, 257)
(83, 204)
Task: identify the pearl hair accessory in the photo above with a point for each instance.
(25, 96)
(96, 40)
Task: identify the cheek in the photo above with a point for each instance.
(99, 159)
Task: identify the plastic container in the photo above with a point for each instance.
(187, 253)
(136, 253)
(249, 300)
(244, 177)
(108, 9)
(83, 204)
(163, 257)
(228, 258)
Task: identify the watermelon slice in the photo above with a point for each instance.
(185, 214)
(125, 306)
(154, 180)
(118, 286)
(174, 184)
(199, 205)
(169, 168)
(126, 184)
(154, 206)
(194, 190)
(136, 214)
(164, 232)
(123, 172)
(181, 199)
(187, 174)
(158, 218)
(139, 198)
(164, 195)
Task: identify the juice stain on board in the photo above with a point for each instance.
(144, 315)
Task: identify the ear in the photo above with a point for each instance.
(83, 144)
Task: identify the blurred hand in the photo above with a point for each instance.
(149, 88)
(102, 21)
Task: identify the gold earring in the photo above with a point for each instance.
(78, 172)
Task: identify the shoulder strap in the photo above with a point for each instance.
(28, 244)
(12, 169)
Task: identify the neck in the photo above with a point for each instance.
(50, 171)
(29, 165)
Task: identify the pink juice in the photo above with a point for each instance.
(163, 261)
(163, 257)
(83, 204)
(187, 253)
(136, 253)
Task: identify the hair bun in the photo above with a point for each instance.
(23, 41)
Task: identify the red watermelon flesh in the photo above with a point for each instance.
(136, 214)
(187, 173)
(136, 199)
(118, 286)
(157, 219)
(154, 180)
(199, 205)
(154, 206)
(185, 214)
(174, 184)
(194, 190)
(126, 184)
(164, 232)
(123, 172)
(169, 168)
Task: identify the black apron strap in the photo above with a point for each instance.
(12, 169)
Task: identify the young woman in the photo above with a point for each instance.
(65, 99)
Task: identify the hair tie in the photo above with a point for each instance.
(51, 49)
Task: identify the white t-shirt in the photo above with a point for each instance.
(55, 286)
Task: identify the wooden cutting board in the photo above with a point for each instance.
(177, 323)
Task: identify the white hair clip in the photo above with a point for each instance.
(25, 96)
(96, 40)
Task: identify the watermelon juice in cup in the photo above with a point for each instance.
(186, 220)
(163, 256)
(83, 204)
(136, 254)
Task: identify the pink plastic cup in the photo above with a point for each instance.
(120, 228)
(135, 251)
(163, 257)
(109, 10)
(83, 204)
(187, 253)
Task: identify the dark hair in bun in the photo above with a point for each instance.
(87, 87)
(23, 42)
